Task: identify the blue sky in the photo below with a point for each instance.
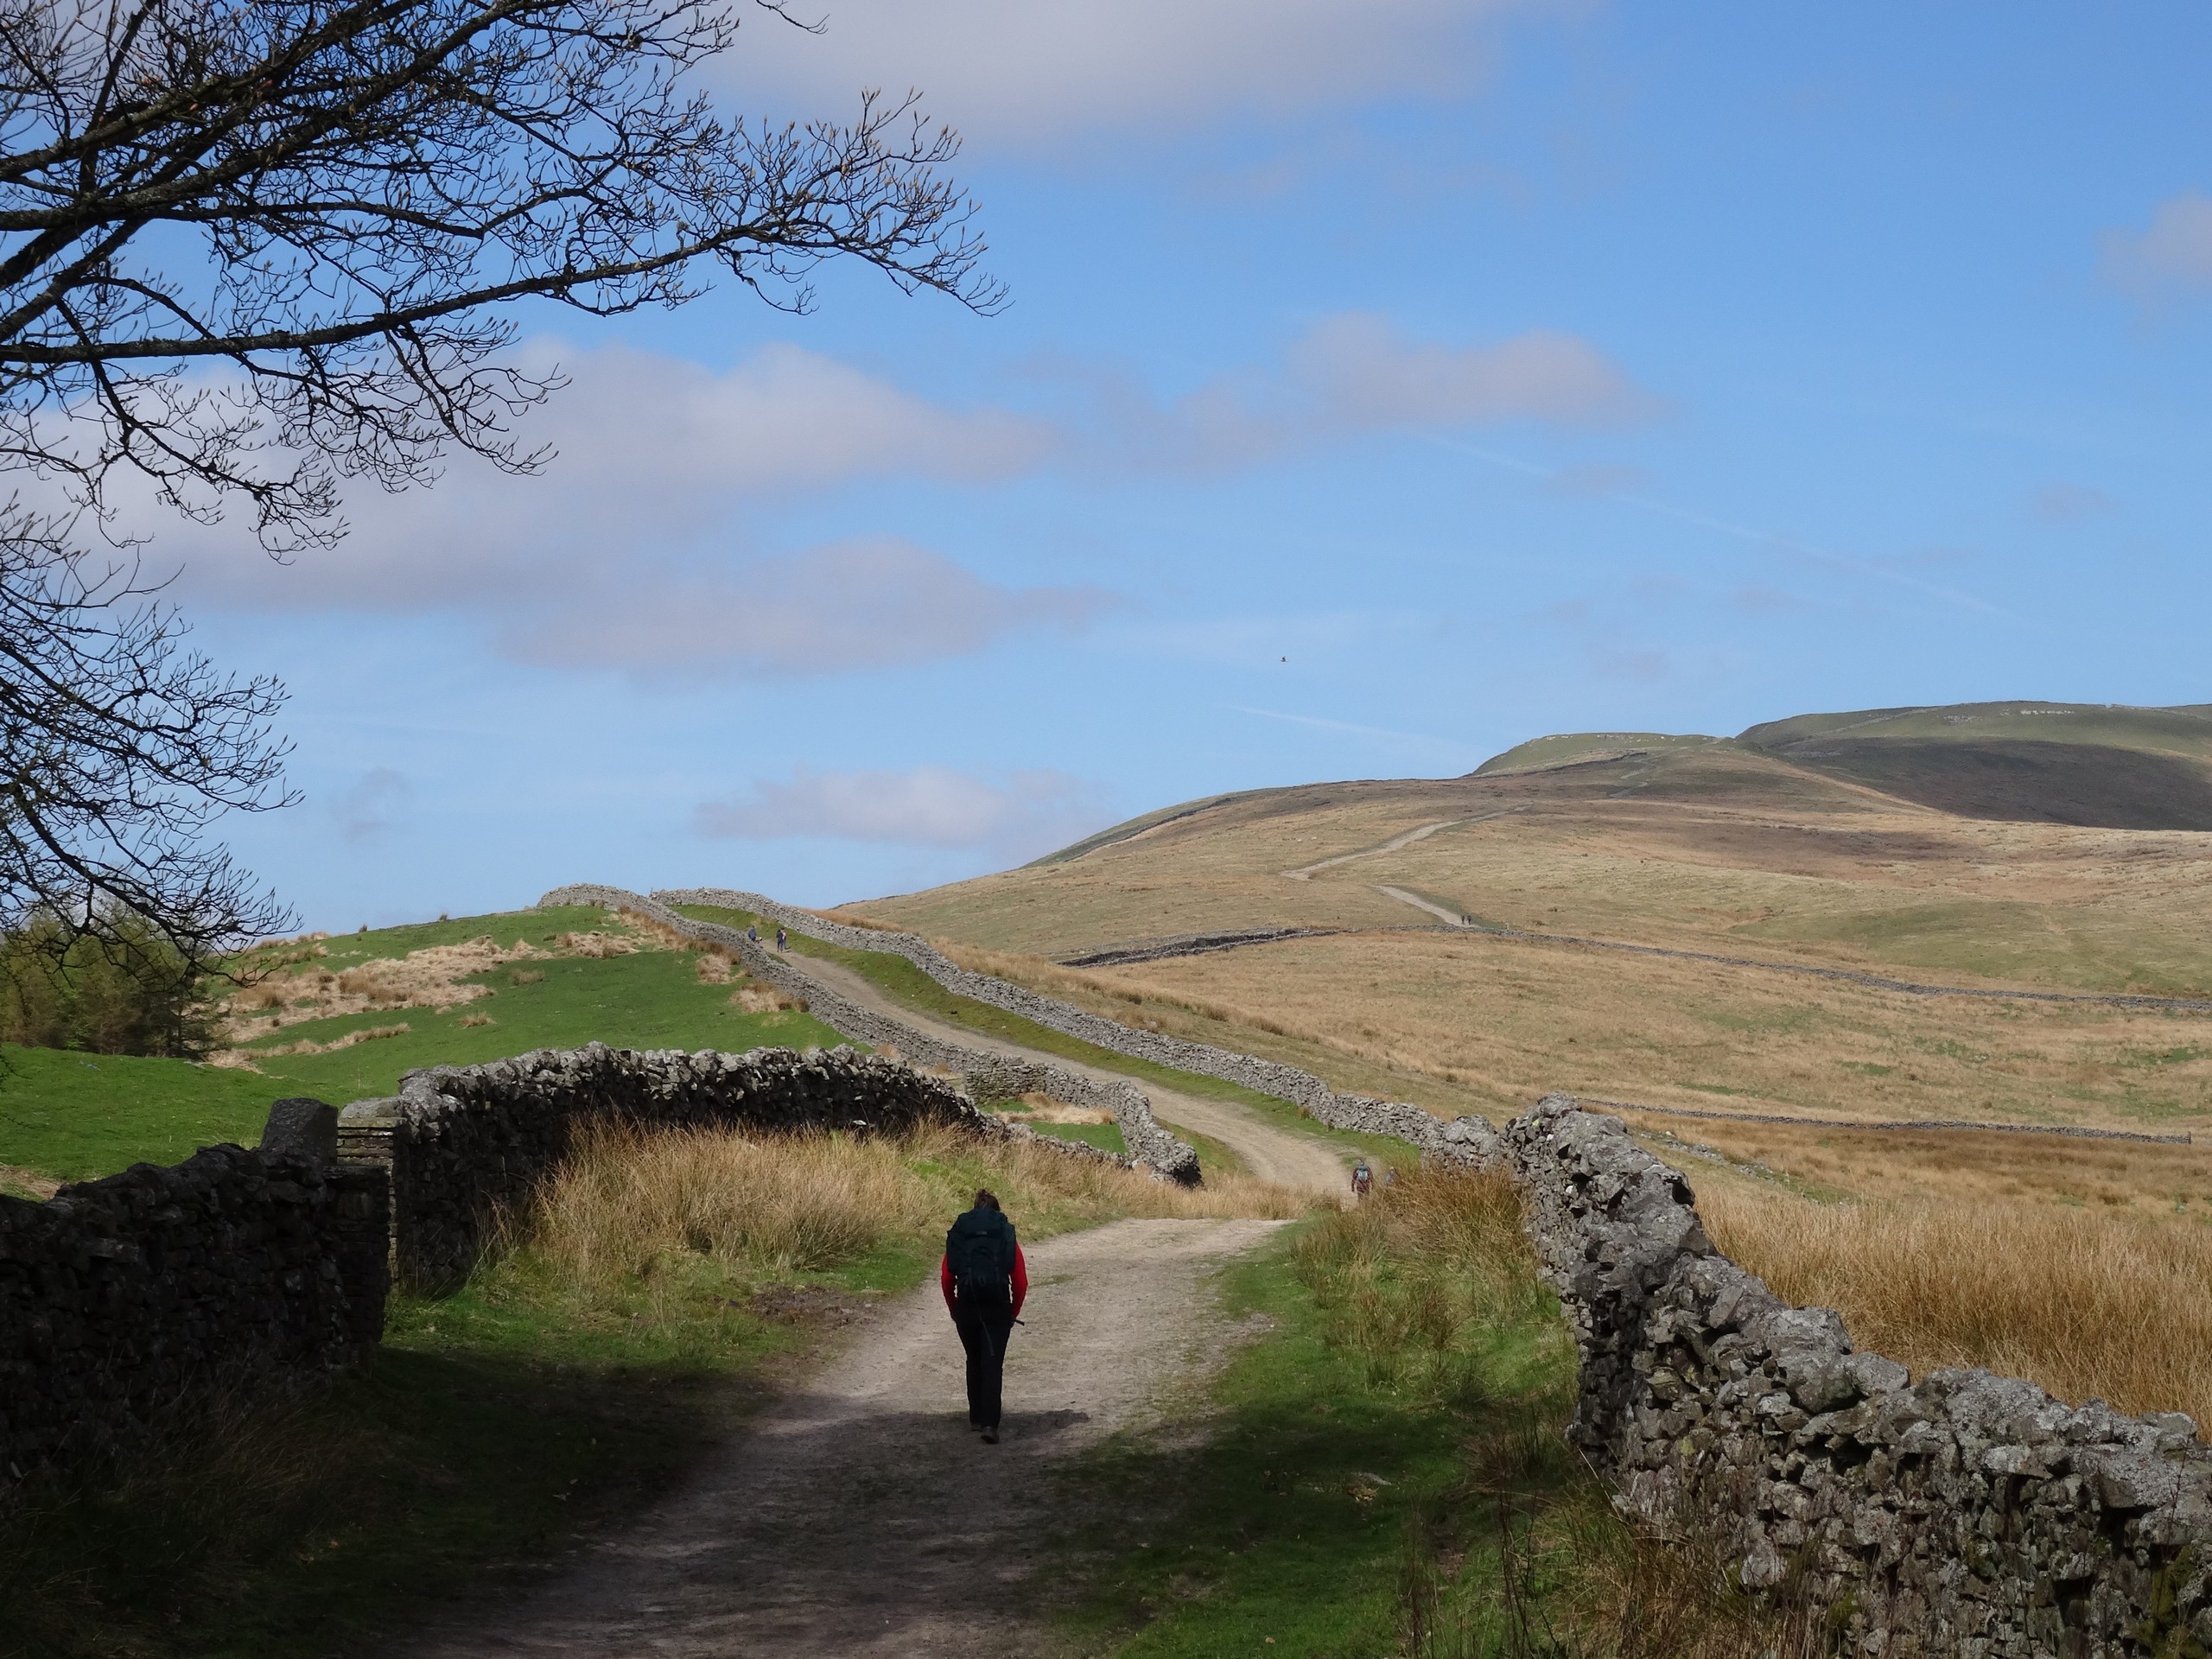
(1384, 385)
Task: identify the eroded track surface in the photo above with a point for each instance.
(861, 1515)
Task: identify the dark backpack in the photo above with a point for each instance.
(979, 1249)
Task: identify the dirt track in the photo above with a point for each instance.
(1271, 1154)
(862, 1517)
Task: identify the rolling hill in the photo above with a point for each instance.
(2054, 847)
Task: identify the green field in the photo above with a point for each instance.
(73, 1116)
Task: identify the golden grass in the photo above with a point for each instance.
(1950, 1166)
(630, 1203)
(351, 1038)
(1464, 1023)
(755, 998)
(2087, 1303)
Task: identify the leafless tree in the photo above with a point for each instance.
(251, 250)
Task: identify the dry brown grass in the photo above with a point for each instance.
(630, 1202)
(1950, 1166)
(351, 1038)
(595, 943)
(477, 1020)
(1465, 1023)
(755, 998)
(27, 1184)
(2087, 1303)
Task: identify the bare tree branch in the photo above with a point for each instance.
(329, 204)
(254, 249)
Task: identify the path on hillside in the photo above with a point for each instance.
(1305, 873)
(861, 1516)
(1270, 1152)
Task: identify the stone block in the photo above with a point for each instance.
(302, 1128)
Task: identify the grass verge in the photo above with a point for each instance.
(661, 1287)
(1384, 1472)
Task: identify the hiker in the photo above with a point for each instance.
(1389, 1178)
(782, 939)
(1362, 1178)
(754, 933)
(984, 1279)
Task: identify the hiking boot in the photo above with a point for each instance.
(990, 1434)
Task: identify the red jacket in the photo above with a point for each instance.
(1021, 1280)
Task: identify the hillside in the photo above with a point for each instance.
(453, 993)
(2024, 762)
(1924, 845)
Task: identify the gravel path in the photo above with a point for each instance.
(1271, 1153)
(862, 1517)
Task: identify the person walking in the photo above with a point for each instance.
(783, 939)
(985, 1280)
(1362, 1178)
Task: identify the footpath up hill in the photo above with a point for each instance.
(1378, 931)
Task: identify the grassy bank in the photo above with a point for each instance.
(662, 1288)
(73, 1116)
(1385, 1472)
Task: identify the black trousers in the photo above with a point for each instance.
(984, 1327)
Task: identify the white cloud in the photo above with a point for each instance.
(1362, 372)
(1002, 71)
(879, 602)
(1022, 815)
(653, 453)
(636, 547)
(1354, 372)
(2172, 258)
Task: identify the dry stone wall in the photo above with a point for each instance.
(119, 1297)
(987, 1074)
(1267, 1076)
(1361, 1114)
(1966, 1514)
(463, 1144)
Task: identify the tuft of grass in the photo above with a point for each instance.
(2113, 1308)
